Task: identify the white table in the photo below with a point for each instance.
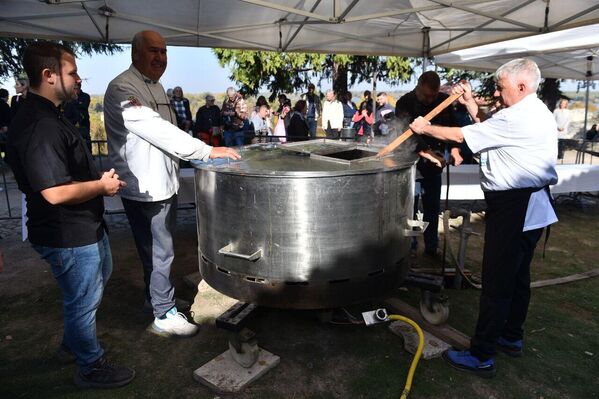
(464, 181)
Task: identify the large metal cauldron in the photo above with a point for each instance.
(306, 225)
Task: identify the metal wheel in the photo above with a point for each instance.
(437, 313)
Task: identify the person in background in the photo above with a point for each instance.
(260, 101)
(208, 122)
(313, 109)
(591, 134)
(234, 114)
(283, 114)
(4, 119)
(383, 109)
(65, 207)
(332, 115)
(363, 120)
(299, 129)
(169, 94)
(77, 111)
(562, 119)
(349, 109)
(261, 124)
(366, 98)
(518, 148)
(182, 110)
(21, 88)
(144, 145)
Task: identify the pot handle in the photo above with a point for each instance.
(227, 250)
(415, 228)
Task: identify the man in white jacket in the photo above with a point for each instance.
(144, 146)
(332, 116)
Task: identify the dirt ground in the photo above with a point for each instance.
(318, 360)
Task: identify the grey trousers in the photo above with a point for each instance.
(153, 225)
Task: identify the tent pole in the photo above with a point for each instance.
(586, 105)
(426, 47)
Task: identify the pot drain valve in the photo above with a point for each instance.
(375, 316)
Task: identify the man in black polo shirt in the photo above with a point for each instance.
(65, 207)
(419, 102)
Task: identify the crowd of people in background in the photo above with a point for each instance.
(335, 115)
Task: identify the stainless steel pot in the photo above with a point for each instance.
(305, 225)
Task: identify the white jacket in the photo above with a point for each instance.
(332, 111)
(144, 143)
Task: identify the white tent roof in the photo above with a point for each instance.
(568, 54)
(378, 27)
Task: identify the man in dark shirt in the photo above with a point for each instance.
(208, 122)
(419, 102)
(65, 207)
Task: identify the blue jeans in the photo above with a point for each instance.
(234, 139)
(312, 127)
(82, 274)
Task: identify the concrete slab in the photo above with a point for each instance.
(223, 375)
(433, 346)
(208, 304)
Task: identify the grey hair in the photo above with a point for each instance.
(524, 67)
(231, 90)
(137, 41)
(330, 91)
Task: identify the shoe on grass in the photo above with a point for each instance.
(465, 361)
(173, 323)
(510, 348)
(180, 304)
(105, 375)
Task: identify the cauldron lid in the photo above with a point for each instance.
(317, 158)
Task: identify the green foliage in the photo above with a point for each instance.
(12, 49)
(289, 72)
(486, 83)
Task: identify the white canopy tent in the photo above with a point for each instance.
(567, 54)
(561, 55)
(377, 27)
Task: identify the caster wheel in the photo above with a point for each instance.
(437, 314)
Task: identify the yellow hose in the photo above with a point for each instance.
(416, 359)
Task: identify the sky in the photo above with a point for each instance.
(196, 70)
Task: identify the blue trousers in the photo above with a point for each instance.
(234, 139)
(312, 124)
(82, 274)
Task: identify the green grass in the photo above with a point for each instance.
(319, 361)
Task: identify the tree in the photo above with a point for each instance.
(12, 49)
(550, 93)
(288, 72)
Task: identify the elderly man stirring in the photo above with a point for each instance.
(518, 151)
(144, 145)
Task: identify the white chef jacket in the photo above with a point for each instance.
(518, 149)
(144, 143)
(332, 111)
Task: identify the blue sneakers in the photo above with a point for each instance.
(510, 348)
(465, 361)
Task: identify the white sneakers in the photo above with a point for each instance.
(173, 324)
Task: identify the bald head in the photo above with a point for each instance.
(148, 54)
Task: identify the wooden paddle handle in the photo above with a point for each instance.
(405, 135)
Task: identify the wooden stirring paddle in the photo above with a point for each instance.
(405, 135)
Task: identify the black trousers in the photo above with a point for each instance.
(431, 207)
(507, 254)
